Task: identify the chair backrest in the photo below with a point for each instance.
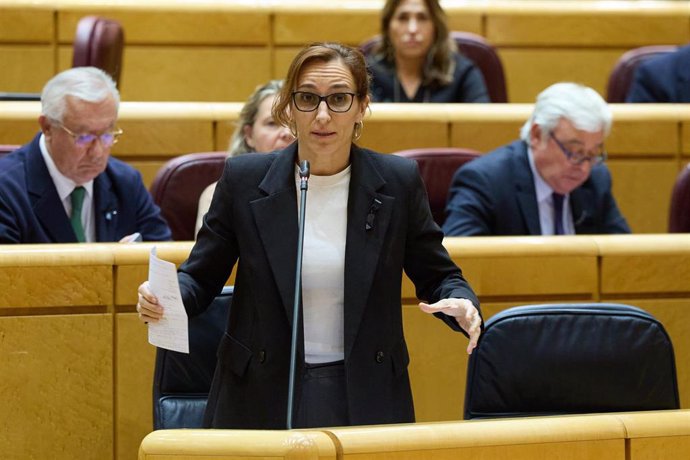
(679, 213)
(181, 382)
(569, 359)
(476, 48)
(621, 77)
(437, 167)
(99, 42)
(178, 185)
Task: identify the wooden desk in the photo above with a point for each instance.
(77, 369)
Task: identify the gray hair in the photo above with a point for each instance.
(579, 104)
(238, 142)
(88, 84)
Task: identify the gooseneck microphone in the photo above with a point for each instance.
(303, 185)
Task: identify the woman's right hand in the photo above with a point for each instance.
(147, 305)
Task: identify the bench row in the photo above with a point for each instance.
(220, 50)
(648, 146)
(77, 369)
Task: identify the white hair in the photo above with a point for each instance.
(579, 104)
(89, 84)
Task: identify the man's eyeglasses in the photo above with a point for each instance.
(308, 102)
(579, 157)
(85, 140)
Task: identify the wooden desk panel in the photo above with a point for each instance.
(593, 436)
(26, 24)
(529, 70)
(642, 189)
(657, 434)
(57, 386)
(16, 60)
(574, 24)
(175, 23)
(295, 26)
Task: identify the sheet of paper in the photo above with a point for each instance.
(171, 332)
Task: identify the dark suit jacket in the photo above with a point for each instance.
(495, 195)
(467, 85)
(663, 79)
(31, 211)
(253, 217)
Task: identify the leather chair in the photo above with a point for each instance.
(679, 215)
(437, 167)
(476, 48)
(98, 42)
(623, 73)
(178, 185)
(181, 382)
(570, 359)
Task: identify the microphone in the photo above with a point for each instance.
(304, 178)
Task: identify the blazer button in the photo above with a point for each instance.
(379, 356)
(262, 356)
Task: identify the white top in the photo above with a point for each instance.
(65, 186)
(545, 203)
(323, 266)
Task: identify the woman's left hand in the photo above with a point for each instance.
(464, 312)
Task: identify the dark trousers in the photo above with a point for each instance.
(324, 399)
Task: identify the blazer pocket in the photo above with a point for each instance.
(400, 358)
(234, 354)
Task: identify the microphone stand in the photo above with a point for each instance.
(303, 185)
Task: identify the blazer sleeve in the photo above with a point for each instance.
(471, 82)
(427, 261)
(613, 220)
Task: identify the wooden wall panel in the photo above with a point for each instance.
(298, 27)
(26, 24)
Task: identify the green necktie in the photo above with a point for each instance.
(77, 203)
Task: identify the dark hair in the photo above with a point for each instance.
(323, 52)
(440, 64)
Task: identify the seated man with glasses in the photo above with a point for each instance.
(551, 182)
(63, 186)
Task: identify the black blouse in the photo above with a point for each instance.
(467, 84)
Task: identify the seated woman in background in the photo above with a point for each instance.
(256, 131)
(418, 61)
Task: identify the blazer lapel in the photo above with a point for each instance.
(44, 198)
(368, 217)
(524, 191)
(105, 208)
(277, 223)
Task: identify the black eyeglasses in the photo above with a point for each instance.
(85, 140)
(579, 157)
(308, 102)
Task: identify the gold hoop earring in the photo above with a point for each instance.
(357, 132)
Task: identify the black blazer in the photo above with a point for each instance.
(253, 218)
(663, 79)
(495, 195)
(31, 211)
